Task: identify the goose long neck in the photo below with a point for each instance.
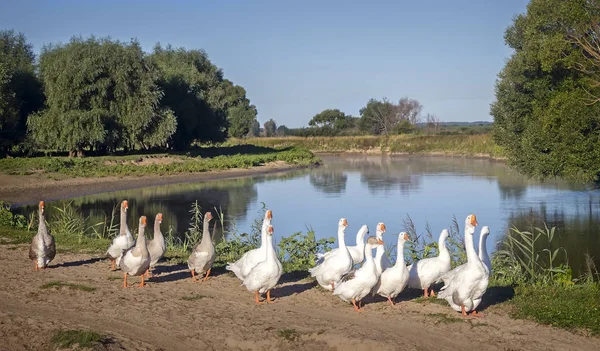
(205, 232)
(482, 247)
(123, 224)
(42, 228)
(141, 238)
(360, 238)
(341, 239)
(270, 249)
(263, 233)
(400, 255)
(369, 252)
(157, 232)
(471, 254)
(442, 243)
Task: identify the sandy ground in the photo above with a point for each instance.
(225, 317)
(20, 189)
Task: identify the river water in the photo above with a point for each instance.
(370, 189)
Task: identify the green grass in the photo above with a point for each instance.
(444, 318)
(194, 297)
(72, 286)
(197, 160)
(79, 338)
(480, 144)
(434, 300)
(65, 243)
(569, 307)
(288, 334)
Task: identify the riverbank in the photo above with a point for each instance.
(27, 180)
(79, 296)
(478, 145)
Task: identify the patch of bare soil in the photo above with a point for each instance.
(32, 188)
(174, 313)
(146, 161)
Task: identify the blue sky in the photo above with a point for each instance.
(296, 59)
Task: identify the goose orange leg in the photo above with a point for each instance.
(256, 298)
(193, 275)
(390, 300)
(475, 314)
(141, 282)
(269, 297)
(332, 288)
(35, 266)
(425, 293)
(124, 280)
(432, 294)
(113, 267)
(356, 308)
(207, 274)
(464, 313)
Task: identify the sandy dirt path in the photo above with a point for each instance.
(224, 316)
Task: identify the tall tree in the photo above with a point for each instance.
(331, 122)
(194, 89)
(100, 94)
(240, 113)
(254, 129)
(270, 128)
(540, 114)
(20, 90)
(385, 117)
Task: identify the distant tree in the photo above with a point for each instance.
(240, 113)
(543, 116)
(282, 130)
(385, 117)
(330, 122)
(20, 90)
(100, 94)
(270, 128)
(194, 89)
(254, 129)
(433, 123)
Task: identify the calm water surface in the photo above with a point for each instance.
(370, 189)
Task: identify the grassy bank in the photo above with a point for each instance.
(528, 282)
(481, 144)
(197, 160)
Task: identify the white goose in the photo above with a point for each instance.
(357, 251)
(136, 260)
(483, 256)
(157, 246)
(242, 266)
(331, 270)
(382, 262)
(464, 290)
(393, 280)
(428, 270)
(203, 255)
(123, 241)
(43, 248)
(363, 280)
(264, 276)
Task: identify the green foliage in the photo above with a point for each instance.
(20, 90)
(254, 129)
(240, 113)
(9, 219)
(574, 307)
(540, 114)
(530, 257)
(385, 117)
(143, 165)
(80, 338)
(101, 94)
(297, 252)
(195, 91)
(330, 122)
(270, 128)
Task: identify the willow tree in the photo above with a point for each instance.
(20, 90)
(101, 94)
(541, 114)
(193, 89)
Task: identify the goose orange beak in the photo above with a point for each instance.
(345, 222)
(269, 214)
(125, 204)
(143, 220)
(42, 204)
(159, 216)
(474, 220)
(382, 227)
(406, 238)
(209, 215)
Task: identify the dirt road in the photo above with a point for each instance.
(173, 313)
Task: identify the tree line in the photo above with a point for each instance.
(101, 95)
(546, 113)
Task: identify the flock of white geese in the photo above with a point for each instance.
(336, 270)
